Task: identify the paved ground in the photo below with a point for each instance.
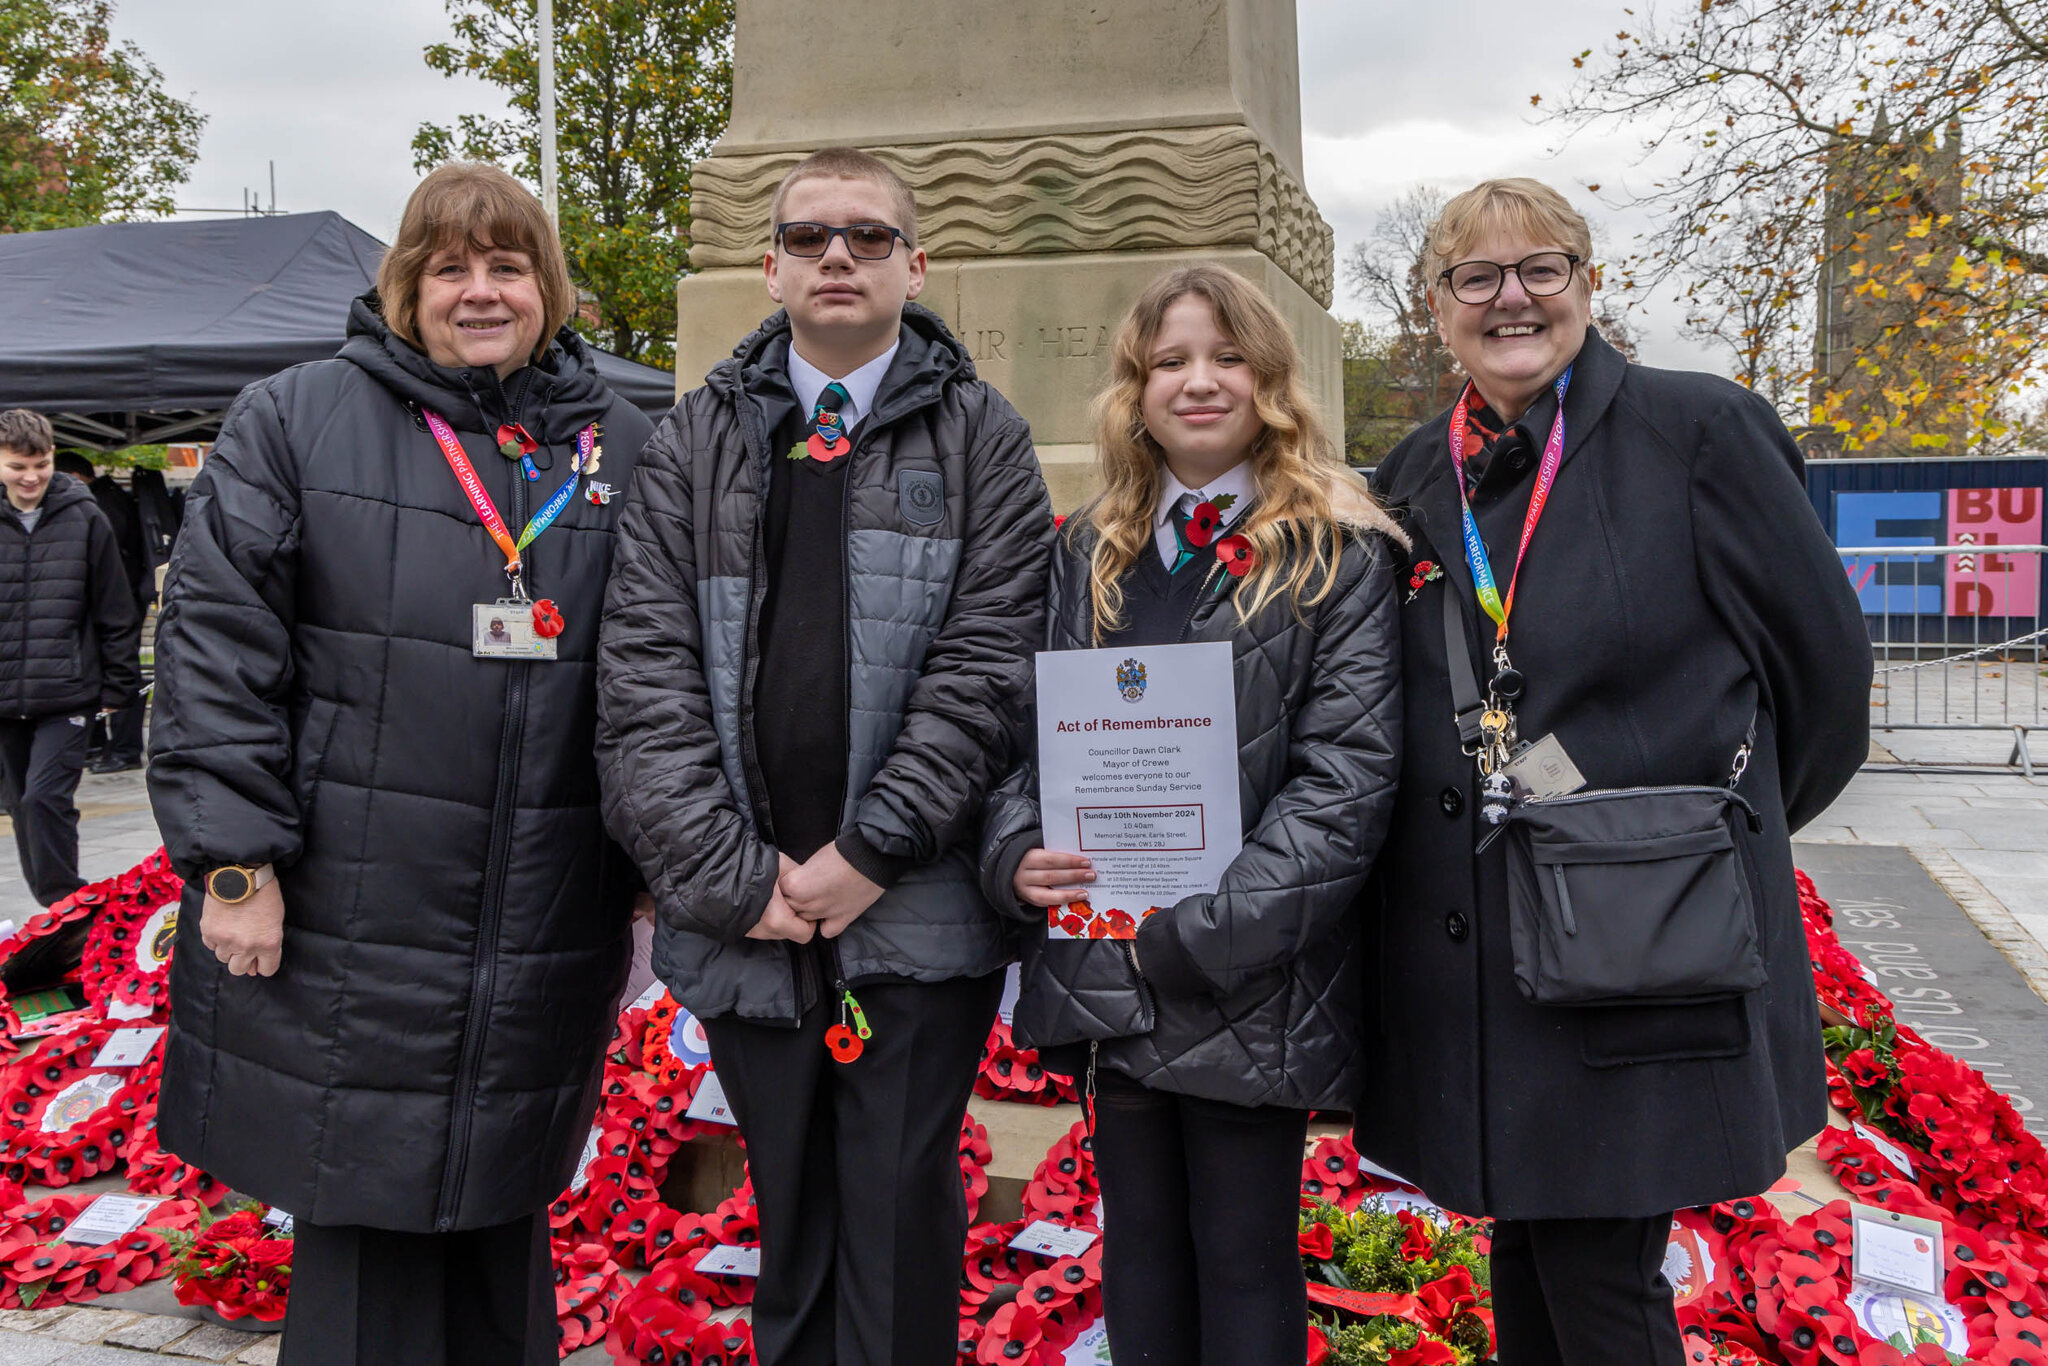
(1982, 835)
(116, 832)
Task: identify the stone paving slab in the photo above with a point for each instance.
(89, 1325)
(211, 1342)
(151, 1333)
(21, 1349)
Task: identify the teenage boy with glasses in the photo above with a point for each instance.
(829, 583)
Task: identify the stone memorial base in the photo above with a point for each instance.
(1038, 327)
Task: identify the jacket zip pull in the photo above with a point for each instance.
(847, 1043)
(1088, 1090)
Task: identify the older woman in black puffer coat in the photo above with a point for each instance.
(404, 929)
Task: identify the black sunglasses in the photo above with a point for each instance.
(864, 241)
(1542, 275)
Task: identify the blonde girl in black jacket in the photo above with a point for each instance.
(1209, 1044)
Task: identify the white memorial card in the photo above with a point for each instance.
(1048, 1239)
(1137, 769)
(1886, 1149)
(108, 1218)
(128, 1047)
(727, 1260)
(708, 1106)
(1898, 1251)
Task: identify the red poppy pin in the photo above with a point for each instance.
(1207, 519)
(547, 619)
(514, 441)
(1426, 571)
(1236, 554)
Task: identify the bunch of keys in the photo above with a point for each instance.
(1497, 736)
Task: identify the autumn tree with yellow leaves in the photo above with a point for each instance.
(1855, 205)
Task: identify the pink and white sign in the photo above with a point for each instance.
(1991, 584)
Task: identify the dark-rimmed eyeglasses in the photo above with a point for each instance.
(1542, 275)
(864, 241)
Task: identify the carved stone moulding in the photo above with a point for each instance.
(1161, 188)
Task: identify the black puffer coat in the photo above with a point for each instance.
(1677, 587)
(455, 919)
(69, 629)
(1252, 994)
(947, 533)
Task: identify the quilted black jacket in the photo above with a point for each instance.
(68, 624)
(947, 533)
(426, 1058)
(1252, 994)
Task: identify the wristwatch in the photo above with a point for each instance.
(233, 883)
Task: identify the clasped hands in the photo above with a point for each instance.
(821, 896)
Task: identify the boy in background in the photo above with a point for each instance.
(829, 584)
(73, 635)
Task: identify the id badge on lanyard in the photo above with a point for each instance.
(515, 626)
(1495, 752)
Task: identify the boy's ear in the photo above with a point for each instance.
(768, 269)
(917, 270)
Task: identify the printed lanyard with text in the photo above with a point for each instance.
(487, 511)
(1475, 547)
(1497, 723)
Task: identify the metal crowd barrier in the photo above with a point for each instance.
(1958, 635)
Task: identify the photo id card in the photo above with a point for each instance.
(504, 630)
(1542, 769)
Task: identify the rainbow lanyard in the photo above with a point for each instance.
(1475, 547)
(487, 511)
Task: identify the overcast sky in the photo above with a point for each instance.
(1392, 95)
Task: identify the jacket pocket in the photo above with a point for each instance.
(309, 756)
(1617, 1036)
(1080, 990)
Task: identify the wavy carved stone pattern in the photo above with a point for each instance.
(1155, 189)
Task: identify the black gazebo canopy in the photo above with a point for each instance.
(131, 333)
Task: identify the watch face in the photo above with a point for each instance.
(229, 884)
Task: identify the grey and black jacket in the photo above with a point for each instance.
(945, 604)
(1252, 994)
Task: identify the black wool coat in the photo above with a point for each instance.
(1678, 585)
(69, 628)
(426, 1058)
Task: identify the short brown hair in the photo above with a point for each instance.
(1522, 205)
(26, 433)
(477, 203)
(850, 163)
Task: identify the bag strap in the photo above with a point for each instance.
(1741, 764)
(1465, 702)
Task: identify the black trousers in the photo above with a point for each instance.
(1584, 1292)
(1200, 1200)
(371, 1297)
(40, 761)
(118, 739)
(856, 1171)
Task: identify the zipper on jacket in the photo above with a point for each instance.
(484, 963)
(1145, 997)
(756, 443)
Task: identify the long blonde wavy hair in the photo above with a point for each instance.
(1306, 504)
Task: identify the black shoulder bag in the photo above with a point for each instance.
(1634, 895)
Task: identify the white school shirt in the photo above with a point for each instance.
(809, 382)
(1237, 480)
